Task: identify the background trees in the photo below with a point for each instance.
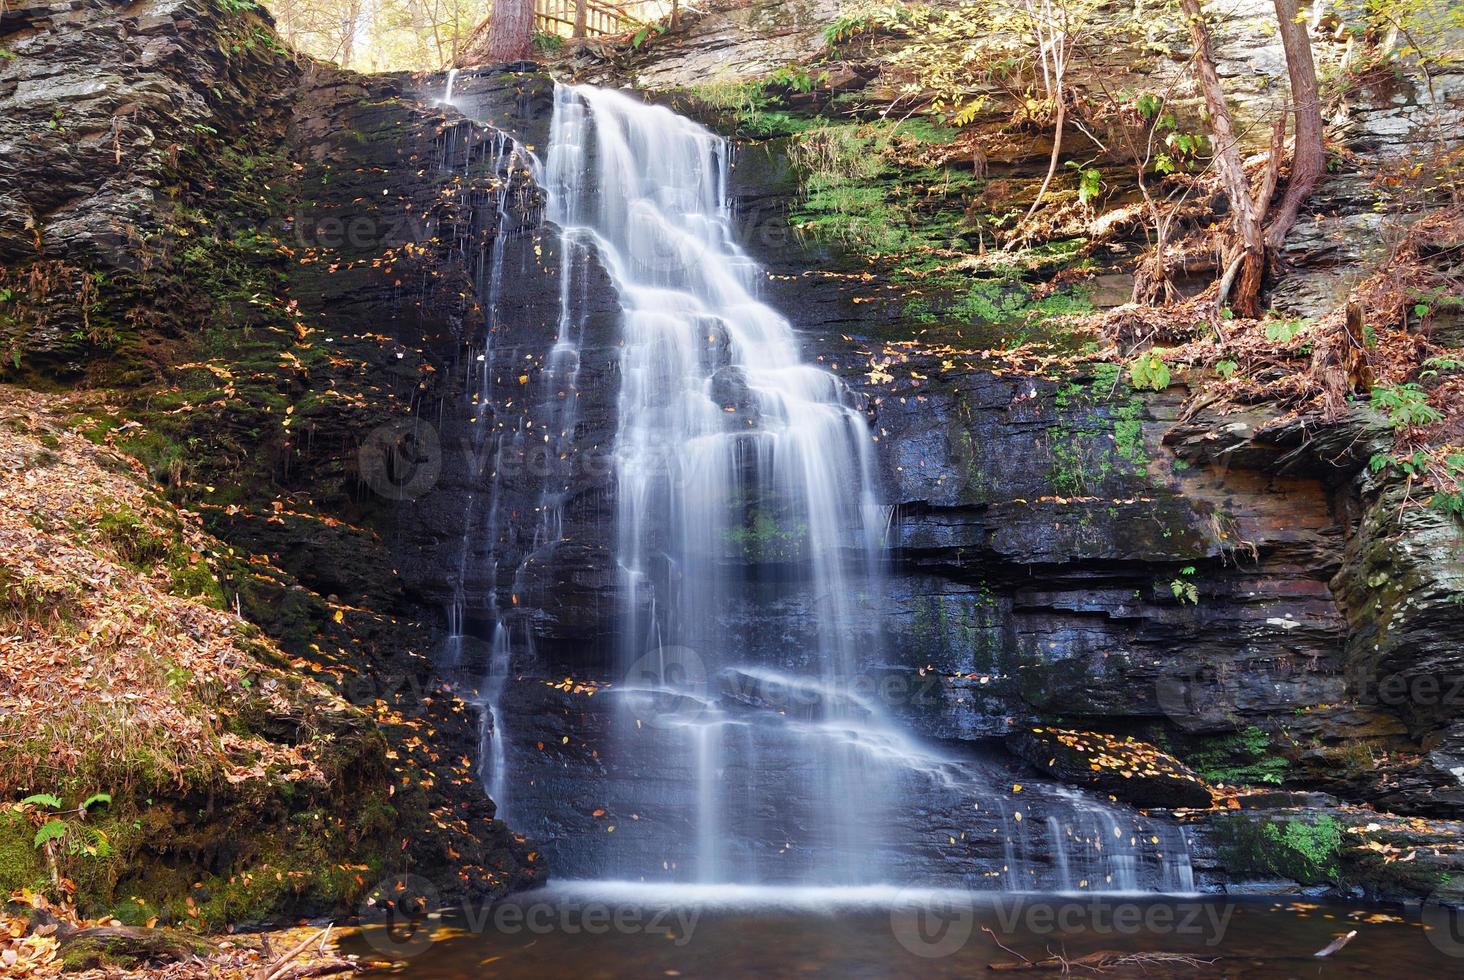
(383, 35)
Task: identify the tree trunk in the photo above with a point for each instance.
(348, 35)
(1057, 127)
(510, 31)
(1309, 156)
(1244, 261)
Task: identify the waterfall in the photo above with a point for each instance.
(745, 736)
(484, 437)
(737, 465)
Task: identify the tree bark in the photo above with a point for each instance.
(510, 31)
(1052, 43)
(1057, 127)
(1309, 157)
(1244, 261)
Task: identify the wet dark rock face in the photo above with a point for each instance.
(97, 100)
(270, 266)
(1068, 552)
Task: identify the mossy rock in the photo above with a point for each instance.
(21, 865)
(1307, 851)
(124, 947)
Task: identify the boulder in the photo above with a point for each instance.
(1132, 771)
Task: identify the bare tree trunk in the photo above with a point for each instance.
(1053, 42)
(1267, 190)
(581, 19)
(1057, 127)
(1244, 261)
(348, 35)
(1309, 156)
(510, 30)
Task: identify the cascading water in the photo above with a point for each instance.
(745, 742)
(737, 465)
(485, 438)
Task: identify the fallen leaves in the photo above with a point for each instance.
(103, 668)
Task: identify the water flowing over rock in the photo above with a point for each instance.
(745, 586)
(740, 734)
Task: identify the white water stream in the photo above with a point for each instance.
(744, 745)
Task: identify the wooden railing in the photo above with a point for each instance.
(597, 18)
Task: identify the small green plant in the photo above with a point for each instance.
(1242, 758)
(1090, 183)
(1184, 588)
(1181, 149)
(1412, 466)
(547, 42)
(237, 6)
(966, 114)
(1435, 366)
(1284, 331)
(763, 538)
(77, 838)
(1149, 372)
(848, 26)
(797, 78)
(1406, 405)
(1451, 501)
(1313, 847)
(1226, 368)
(647, 32)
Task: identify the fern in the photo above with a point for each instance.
(96, 799)
(1406, 405)
(43, 799)
(50, 830)
(1184, 588)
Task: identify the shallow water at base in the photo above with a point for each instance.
(609, 929)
